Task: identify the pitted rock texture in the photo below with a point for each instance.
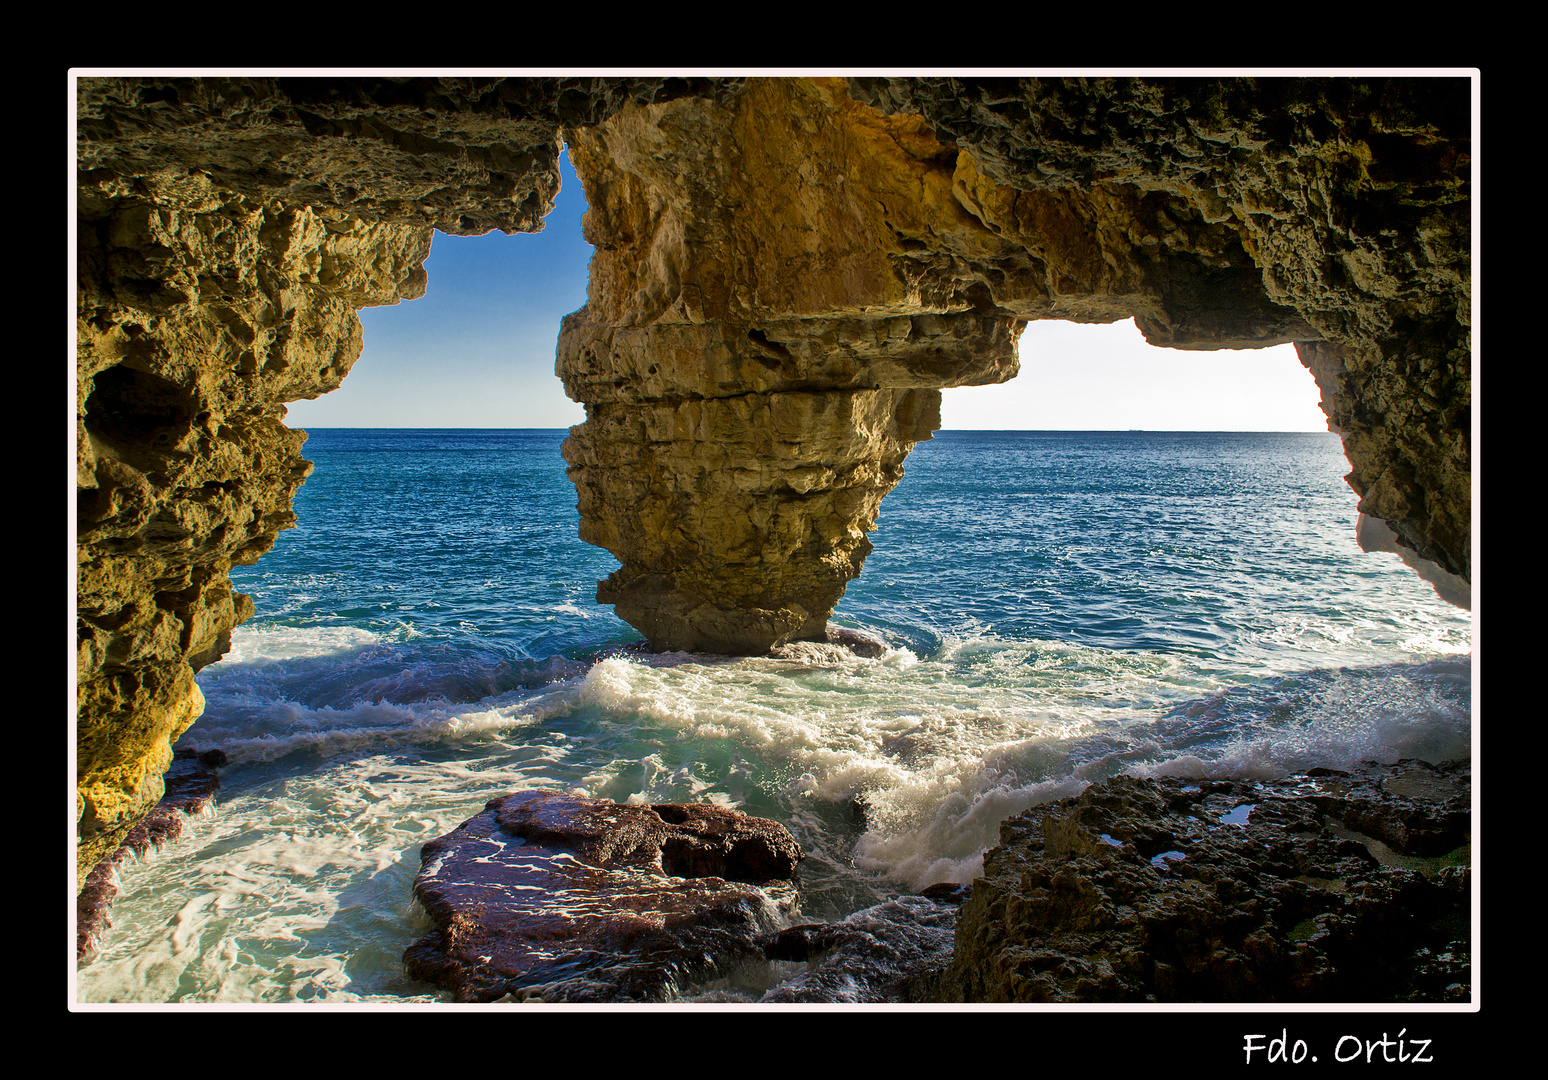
(757, 356)
(553, 897)
(760, 348)
(1349, 198)
(788, 240)
(200, 312)
(228, 230)
(190, 789)
(462, 155)
(1325, 887)
(743, 518)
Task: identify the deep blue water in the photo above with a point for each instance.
(1059, 607)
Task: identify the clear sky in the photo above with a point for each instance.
(477, 350)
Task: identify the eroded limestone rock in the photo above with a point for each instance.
(200, 313)
(788, 240)
(760, 349)
(228, 230)
(1350, 200)
(1330, 886)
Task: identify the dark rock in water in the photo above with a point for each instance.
(950, 892)
(212, 759)
(1325, 887)
(891, 952)
(552, 897)
(861, 644)
(190, 789)
(802, 943)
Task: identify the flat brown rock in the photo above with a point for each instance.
(554, 897)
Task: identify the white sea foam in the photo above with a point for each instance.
(258, 646)
(937, 750)
(350, 747)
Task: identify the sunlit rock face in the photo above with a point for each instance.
(201, 311)
(787, 272)
(778, 293)
(780, 268)
(228, 230)
(1334, 213)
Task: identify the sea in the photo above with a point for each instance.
(1057, 608)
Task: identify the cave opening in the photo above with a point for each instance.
(1106, 377)
(443, 647)
(476, 353)
(477, 350)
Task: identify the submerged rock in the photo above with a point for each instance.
(554, 897)
(1326, 887)
(879, 955)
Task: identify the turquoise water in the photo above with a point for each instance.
(1059, 607)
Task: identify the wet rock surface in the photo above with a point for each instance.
(553, 897)
(884, 954)
(1321, 888)
(1325, 887)
(191, 784)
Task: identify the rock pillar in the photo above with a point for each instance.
(774, 305)
(785, 276)
(787, 272)
(201, 312)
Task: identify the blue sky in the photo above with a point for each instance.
(477, 350)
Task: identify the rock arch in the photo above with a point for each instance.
(788, 271)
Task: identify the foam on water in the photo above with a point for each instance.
(363, 718)
(894, 772)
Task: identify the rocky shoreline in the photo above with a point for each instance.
(1325, 887)
(787, 273)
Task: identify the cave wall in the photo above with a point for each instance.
(787, 272)
(227, 232)
(887, 238)
(1350, 196)
(758, 352)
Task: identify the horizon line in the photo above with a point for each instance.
(1059, 431)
